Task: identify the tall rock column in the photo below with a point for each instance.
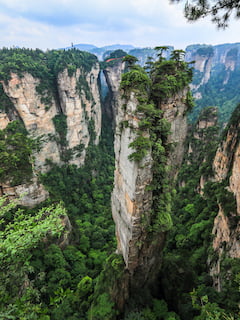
(140, 206)
(131, 200)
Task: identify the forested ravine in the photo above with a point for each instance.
(113, 206)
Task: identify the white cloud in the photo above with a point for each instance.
(58, 23)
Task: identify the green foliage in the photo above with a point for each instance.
(137, 79)
(44, 66)
(166, 78)
(60, 123)
(190, 102)
(85, 286)
(131, 60)
(219, 11)
(222, 91)
(112, 58)
(6, 104)
(169, 76)
(58, 60)
(20, 61)
(232, 123)
(226, 198)
(86, 194)
(157, 311)
(40, 280)
(208, 310)
(141, 145)
(19, 238)
(83, 88)
(15, 154)
(189, 246)
(103, 307)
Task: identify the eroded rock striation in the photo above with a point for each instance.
(64, 126)
(139, 238)
(226, 224)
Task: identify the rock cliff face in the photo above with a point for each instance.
(113, 79)
(78, 105)
(207, 59)
(132, 196)
(226, 224)
(130, 199)
(174, 111)
(216, 74)
(37, 120)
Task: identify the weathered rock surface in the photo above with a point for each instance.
(79, 107)
(211, 63)
(29, 194)
(174, 111)
(131, 201)
(37, 120)
(227, 225)
(113, 79)
(132, 198)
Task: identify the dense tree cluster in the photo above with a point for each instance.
(42, 280)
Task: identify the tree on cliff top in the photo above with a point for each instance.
(220, 10)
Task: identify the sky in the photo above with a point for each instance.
(49, 24)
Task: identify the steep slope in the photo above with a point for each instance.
(141, 198)
(226, 243)
(200, 264)
(216, 74)
(59, 106)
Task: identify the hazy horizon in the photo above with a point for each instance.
(56, 24)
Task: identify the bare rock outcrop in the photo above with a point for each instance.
(132, 196)
(227, 224)
(78, 100)
(36, 118)
(80, 106)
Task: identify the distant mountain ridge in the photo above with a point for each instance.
(216, 77)
(100, 51)
(216, 72)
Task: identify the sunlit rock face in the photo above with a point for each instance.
(132, 196)
(226, 224)
(216, 70)
(81, 107)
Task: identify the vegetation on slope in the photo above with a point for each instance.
(57, 283)
(165, 79)
(16, 149)
(185, 281)
(44, 66)
(43, 281)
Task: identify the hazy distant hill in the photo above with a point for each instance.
(100, 51)
(216, 72)
(216, 77)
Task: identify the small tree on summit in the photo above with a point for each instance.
(131, 60)
(177, 55)
(160, 50)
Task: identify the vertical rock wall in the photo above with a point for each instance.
(131, 201)
(227, 224)
(132, 196)
(79, 108)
